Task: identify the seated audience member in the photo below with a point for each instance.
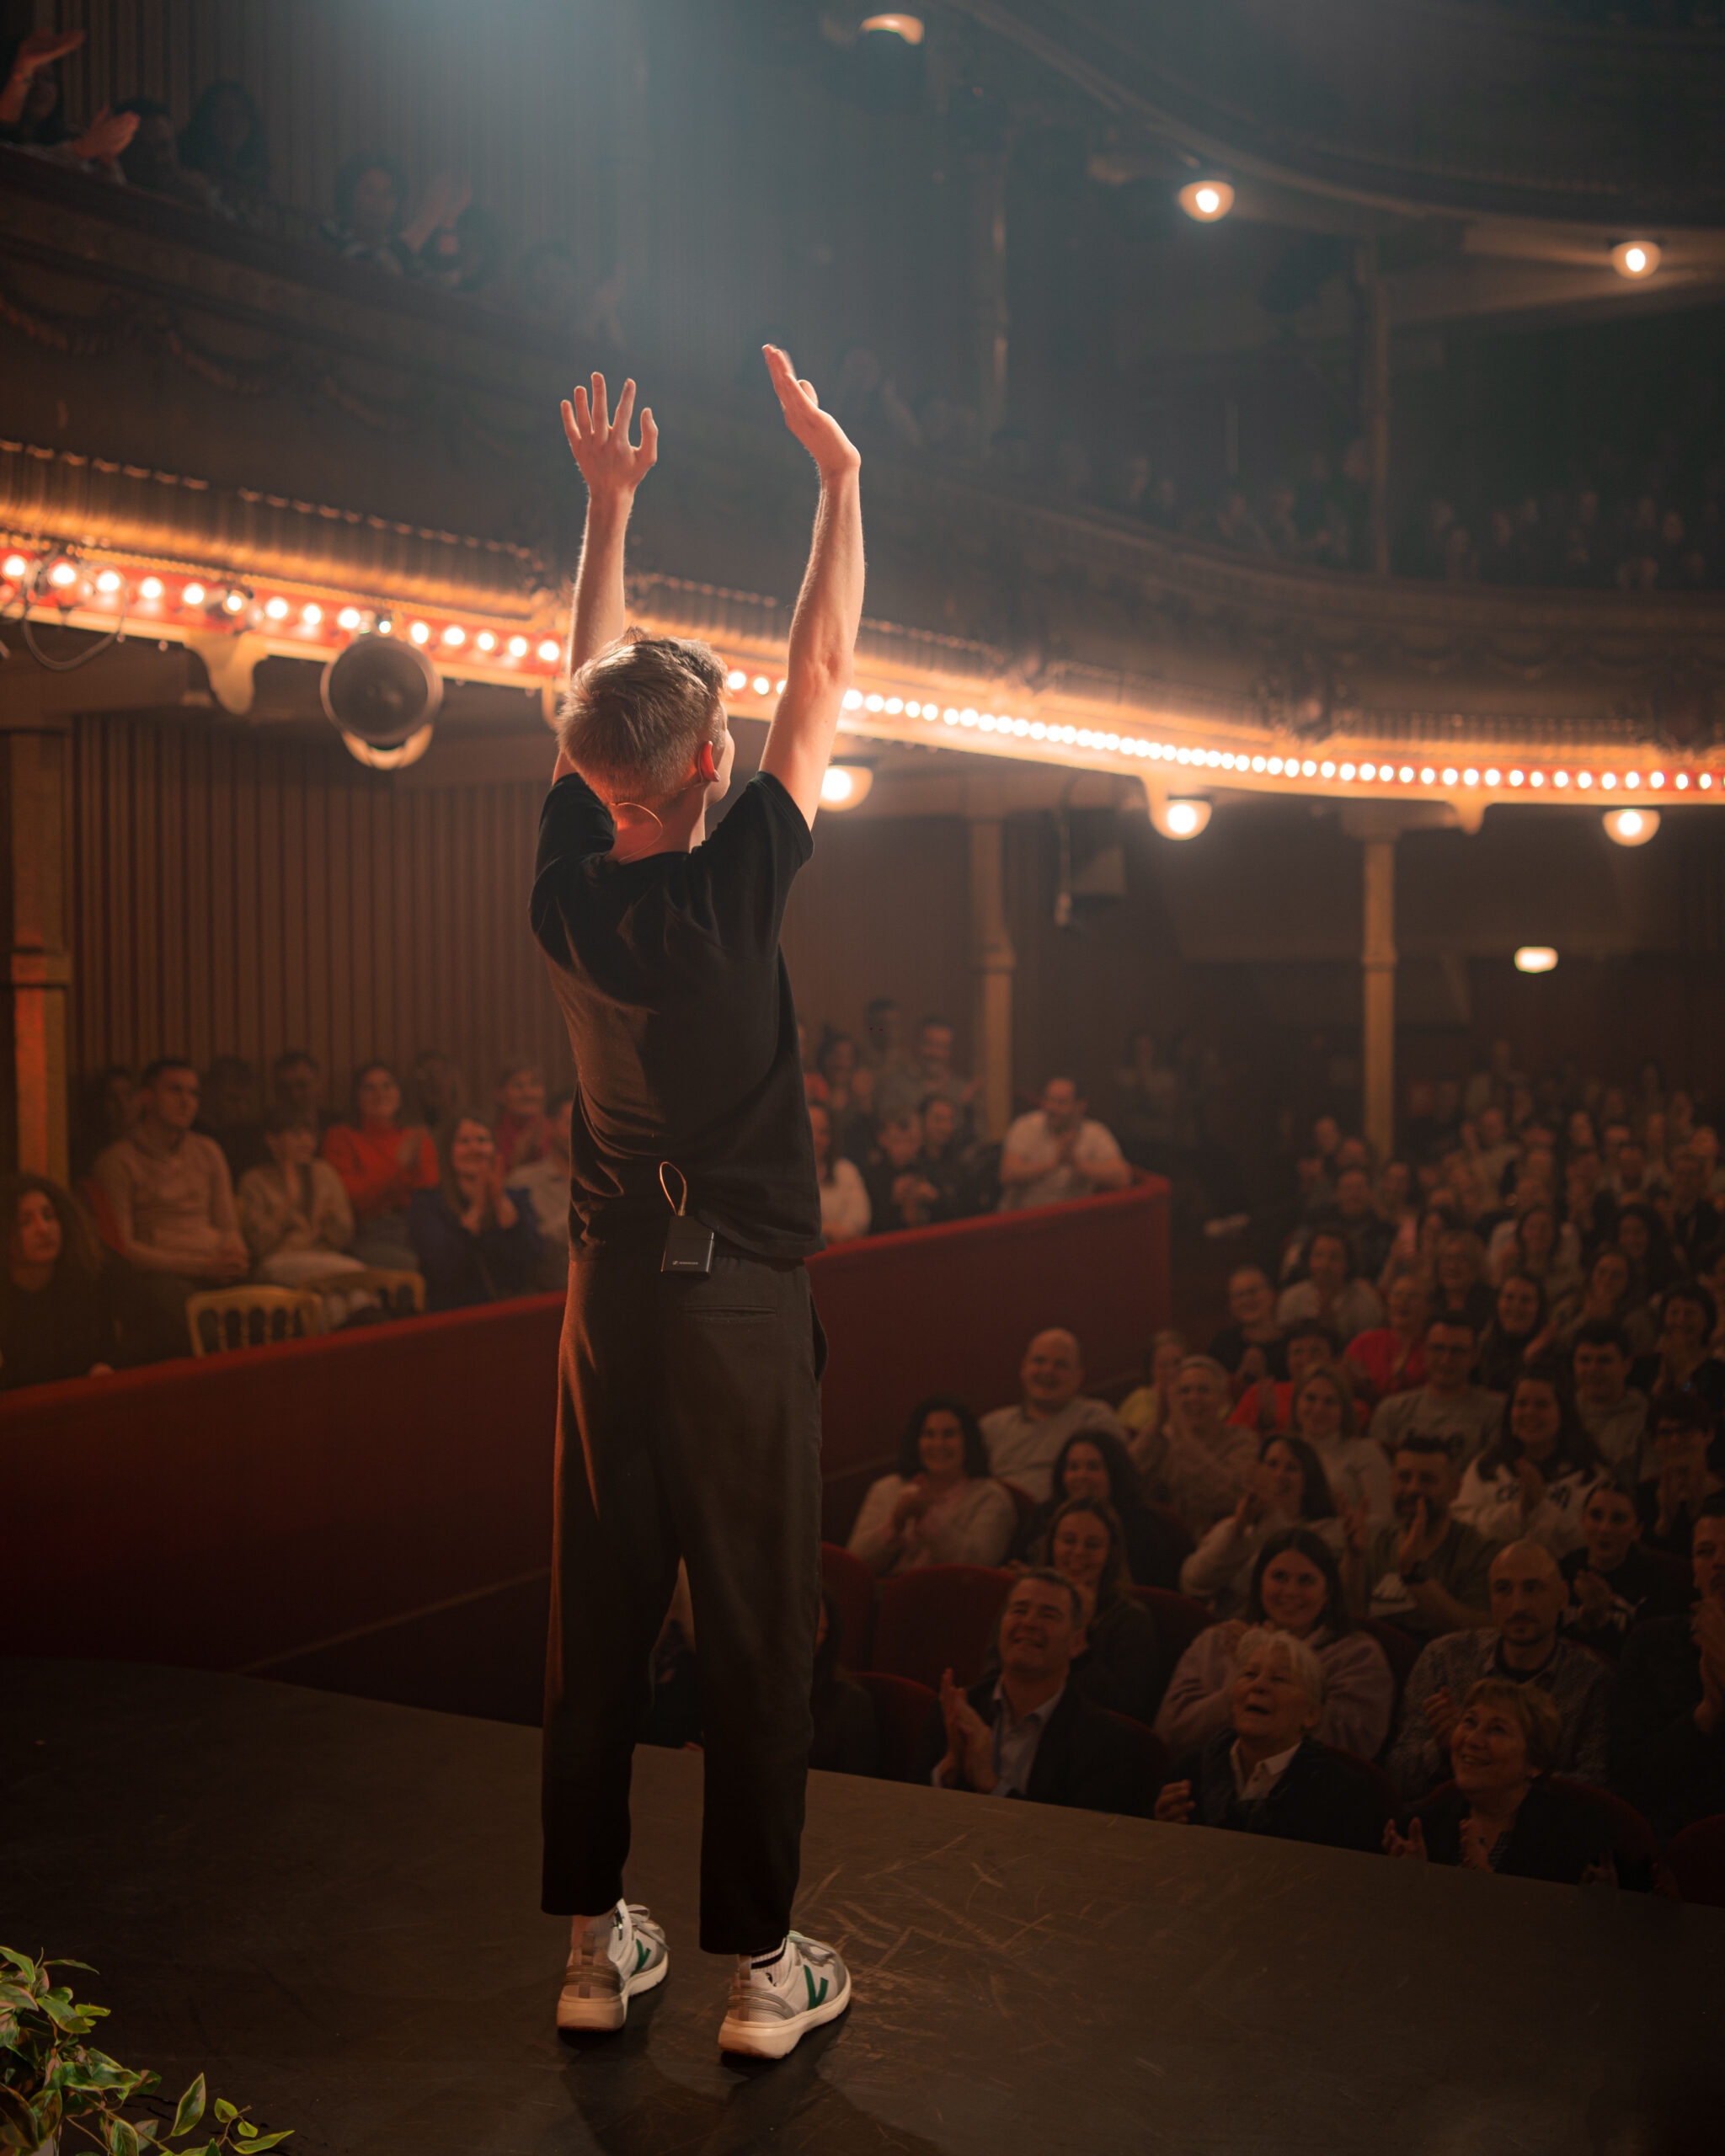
(1459, 1288)
(150, 160)
(942, 1162)
(1296, 1589)
(547, 1183)
(297, 1081)
(1614, 1583)
(1390, 1357)
(1267, 1406)
(1370, 1235)
(1518, 1333)
(1250, 1346)
(109, 1107)
(1201, 1462)
(1331, 1292)
(1024, 1442)
(1287, 1488)
(56, 1312)
(370, 199)
(1642, 1239)
(895, 1082)
(846, 1738)
(1605, 1298)
(900, 1195)
(1030, 1732)
(1055, 1153)
(1613, 1413)
(1266, 1772)
(1533, 1244)
(941, 1506)
(437, 1090)
(848, 1093)
(845, 1212)
(1682, 1359)
(1095, 1463)
(382, 1164)
(1121, 1663)
(1532, 1481)
(936, 1079)
(226, 141)
(1145, 1411)
(1668, 1698)
(1422, 1572)
(1323, 1417)
(1502, 1812)
(1671, 1500)
(1522, 1644)
(228, 1111)
(294, 1214)
(1691, 1218)
(475, 1241)
(170, 1203)
(519, 1130)
(1447, 1405)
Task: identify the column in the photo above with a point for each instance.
(33, 923)
(993, 962)
(1378, 964)
(1374, 402)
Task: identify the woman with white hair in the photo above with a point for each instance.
(1266, 1773)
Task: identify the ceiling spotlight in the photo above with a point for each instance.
(1181, 819)
(1635, 258)
(1535, 958)
(421, 632)
(908, 27)
(1631, 826)
(846, 786)
(1206, 200)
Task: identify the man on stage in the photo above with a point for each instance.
(689, 1409)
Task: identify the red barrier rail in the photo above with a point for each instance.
(235, 1511)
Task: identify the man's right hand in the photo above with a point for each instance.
(834, 452)
(600, 445)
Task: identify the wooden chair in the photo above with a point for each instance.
(226, 1319)
(399, 1294)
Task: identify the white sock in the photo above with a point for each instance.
(767, 1961)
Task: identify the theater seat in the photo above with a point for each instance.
(1401, 1649)
(1152, 1755)
(939, 1617)
(1696, 1858)
(1631, 1831)
(1373, 1777)
(1179, 1620)
(850, 1584)
(902, 1708)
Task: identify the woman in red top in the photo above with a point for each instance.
(381, 1163)
(1390, 1357)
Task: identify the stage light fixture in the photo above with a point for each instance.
(550, 650)
(235, 600)
(486, 641)
(421, 632)
(1631, 826)
(1535, 958)
(109, 582)
(276, 608)
(846, 786)
(518, 647)
(1635, 258)
(736, 679)
(381, 697)
(151, 588)
(192, 595)
(16, 565)
(1181, 817)
(311, 615)
(760, 684)
(348, 619)
(908, 27)
(1205, 200)
(455, 636)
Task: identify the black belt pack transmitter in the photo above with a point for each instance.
(688, 1243)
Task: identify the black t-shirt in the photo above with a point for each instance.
(53, 1332)
(679, 1010)
(1641, 1587)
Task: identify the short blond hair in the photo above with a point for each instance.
(636, 715)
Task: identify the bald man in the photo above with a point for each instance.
(1024, 1441)
(1522, 1642)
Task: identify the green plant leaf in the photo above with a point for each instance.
(191, 2108)
(147, 2130)
(267, 2140)
(122, 2138)
(226, 2112)
(15, 2115)
(248, 2132)
(60, 2010)
(64, 1961)
(15, 1995)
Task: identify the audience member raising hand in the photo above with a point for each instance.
(475, 1241)
(941, 1507)
(1534, 1479)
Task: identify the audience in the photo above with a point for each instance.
(1332, 1291)
(518, 1127)
(1668, 1698)
(1143, 1414)
(1055, 1153)
(1672, 1498)
(845, 1209)
(294, 1214)
(297, 1081)
(382, 1164)
(57, 1316)
(1502, 1811)
(1533, 1480)
(1682, 1359)
(1522, 1645)
(1288, 1488)
(900, 1195)
(545, 1181)
(1249, 1346)
(1200, 1462)
(1096, 1464)
(1323, 1418)
(1308, 1345)
(1518, 1333)
(1613, 1413)
(1121, 1663)
(1266, 1772)
(1295, 1589)
(1422, 1571)
(168, 1202)
(1030, 1732)
(941, 1506)
(1390, 1357)
(1463, 1416)
(474, 1241)
(1614, 1583)
(1024, 1442)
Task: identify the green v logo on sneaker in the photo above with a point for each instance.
(642, 1951)
(814, 1997)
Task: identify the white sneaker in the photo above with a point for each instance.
(772, 2009)
(615, 1956)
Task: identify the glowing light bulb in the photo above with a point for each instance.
(736, 679)
(193, 595)
(486, 641)
(151, 588)
(518, 647)
(348, 618)
(550, 650)
(62, 575)
(311, 615)
(760, 684)
(110, 581)
(420, 632)
(1535, 958)
(1205, 200)
(455, 636)
(16, 566)
(1635, 258)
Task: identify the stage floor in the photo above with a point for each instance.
(331, 1905)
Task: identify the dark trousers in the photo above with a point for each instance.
(688, 1426)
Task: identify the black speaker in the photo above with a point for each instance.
(381, 691)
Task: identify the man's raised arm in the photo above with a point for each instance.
(613, 471)
(830, 605)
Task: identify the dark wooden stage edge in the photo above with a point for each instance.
(331, 1905)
